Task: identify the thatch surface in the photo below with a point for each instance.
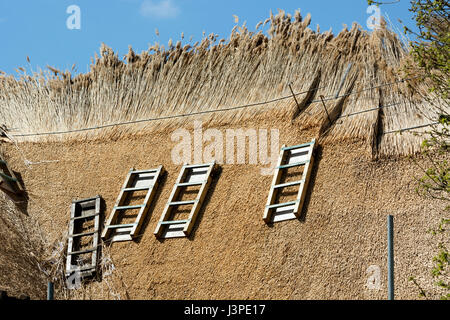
(21, 250)
(232, 253)
(216, 75)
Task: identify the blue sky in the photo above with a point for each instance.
(38, 29)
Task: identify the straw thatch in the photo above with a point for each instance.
(216, 75)
(21, 251)
(232, 253)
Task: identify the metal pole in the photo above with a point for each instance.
(296, 101)
(325, 107)
(293, 95)
(50, 291)
(390, 257)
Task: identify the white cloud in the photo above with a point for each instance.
(164, 9)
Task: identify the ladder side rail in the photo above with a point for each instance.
(96, 234)
(304, 186)
(147, 201)
(200, 197)
(70, 239)
(273, 192)
(120, 199)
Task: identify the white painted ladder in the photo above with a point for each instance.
(83, 211)
(190, 175)
(290, 157)
(135, 181)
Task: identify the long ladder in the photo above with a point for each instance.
(82, 214)
(8, 180)
(136, 180)
(190, 176)
(290, 157)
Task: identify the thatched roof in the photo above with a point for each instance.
(221, 75)
(21, 252)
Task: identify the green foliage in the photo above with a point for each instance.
(431, 49)
(431, 53)
(435, 183)
(441, 264)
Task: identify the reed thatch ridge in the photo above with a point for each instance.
(215, 75)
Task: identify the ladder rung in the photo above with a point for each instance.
(187, 184)
(279, 205)
(137, 189)
(144, 171)
(129, 207)
(289, 184)
(8, 177)
(293, 165)
(82, 234)
(299, 146)
(198, 165)
(180, 203)
(82, 251)
(87, 204)
(86, 216)
(85, 200)
(87, 268)
(175, 222)
(117, 226)
(81, 269)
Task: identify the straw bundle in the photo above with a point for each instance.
(215, 75)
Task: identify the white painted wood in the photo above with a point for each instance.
(188, 174)
(299, 155)
(272, 193)
(90, 209)
(143, 180)
(283, 213)
(292, 156)
(196, 175)
(139, 179)
(121, 237)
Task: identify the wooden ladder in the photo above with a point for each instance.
(136, 180)
(190, 175)
(8, 181)
(81, 212)
(290, 157)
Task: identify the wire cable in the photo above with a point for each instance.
(208, 111)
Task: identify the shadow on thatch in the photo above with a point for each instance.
(312, 181)
(312, 91)
(5, 297)
(162, 182)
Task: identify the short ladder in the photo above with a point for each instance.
(290, 157)
(136, 180)
(83, 229)
(190, 175)
(8, 181)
